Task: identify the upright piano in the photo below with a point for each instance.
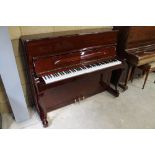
(67, 68)
(136, 44)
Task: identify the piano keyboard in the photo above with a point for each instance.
(79, 71)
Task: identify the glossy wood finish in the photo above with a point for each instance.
(55, 53)
(136, 44)
(73, 58)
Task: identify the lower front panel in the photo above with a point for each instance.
(74, 89)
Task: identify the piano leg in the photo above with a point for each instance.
(43, 116)
(44, 120)
(116, 75)
(106, 84)
(112, 91)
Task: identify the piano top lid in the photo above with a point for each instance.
(69, 33)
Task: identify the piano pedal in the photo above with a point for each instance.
(75, 100)
(79, 100)
(83, 97)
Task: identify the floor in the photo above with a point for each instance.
(134, 108)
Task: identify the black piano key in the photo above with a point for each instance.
(86, 67)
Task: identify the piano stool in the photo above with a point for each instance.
(150, 67)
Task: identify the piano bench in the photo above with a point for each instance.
(150, 67)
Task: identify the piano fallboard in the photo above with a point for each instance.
(73, 58)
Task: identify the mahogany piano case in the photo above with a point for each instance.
(51, 55)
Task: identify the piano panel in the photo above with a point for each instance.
(73, 58)
(140, 36)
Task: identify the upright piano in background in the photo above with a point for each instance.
(67, 68)
(136, 44)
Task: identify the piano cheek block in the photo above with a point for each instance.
(73, 77)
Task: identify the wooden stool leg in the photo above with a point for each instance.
(128, 75)
(132, 74)
(147, 73)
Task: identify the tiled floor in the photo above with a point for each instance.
(134, 108)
